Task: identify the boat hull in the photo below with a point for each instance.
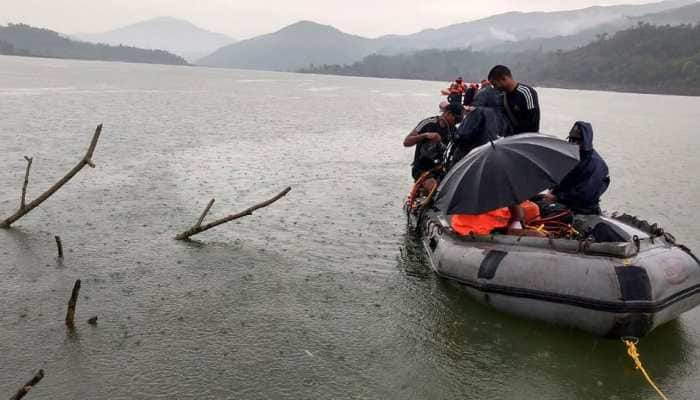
(629, 294)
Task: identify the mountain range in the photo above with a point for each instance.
(28, 41)
(304, 43)
(165, 33)
(291, 48)
(308, 43)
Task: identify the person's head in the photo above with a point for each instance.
(575, 135)
(485, 83)
(502, 79)
(581, 134)
(443, 106)
(453, 113)
(459, 80)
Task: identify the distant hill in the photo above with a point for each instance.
(518, 26)
(291, 48)
(646, 58)
(21, 39)
(689, 14)
(165, 33)
(8, 49)
(305, 43)
(433, 64)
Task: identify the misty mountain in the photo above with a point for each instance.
(304, 43)
(520, 26)
(164, 33)
(291, 48)
(689, 14)
(21, 39)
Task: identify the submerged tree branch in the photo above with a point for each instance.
(59, 246)
(26, 208)
(204, 214)
(199, 228)
(23, 203)
(70, 314)
(28, 386)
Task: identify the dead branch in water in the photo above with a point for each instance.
(26, 208)
(199, 228)
(60, 246)
(204, 214)
(70, 315)
(23, 203)
(28, 386)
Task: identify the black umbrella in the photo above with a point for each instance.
(505, 172)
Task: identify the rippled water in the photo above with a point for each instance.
(322, 295)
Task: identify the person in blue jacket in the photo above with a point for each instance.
(581, 189)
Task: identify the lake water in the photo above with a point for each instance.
(322, 295)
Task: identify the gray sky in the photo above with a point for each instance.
(244, 19)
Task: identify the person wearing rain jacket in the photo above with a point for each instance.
(581, 189)
(487, 121)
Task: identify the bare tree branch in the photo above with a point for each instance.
(199, 228)
(70, 314)
(86, 160)
(59, 245)
(23, 204)
(28, 386)
(204, 214)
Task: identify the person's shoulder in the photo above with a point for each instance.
(528, 94)
(426, 122)
(524, 88)
(528, 88)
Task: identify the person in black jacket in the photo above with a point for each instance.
(581, 189)
(431, 137)
(521, 102)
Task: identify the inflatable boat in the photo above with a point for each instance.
(626, 287)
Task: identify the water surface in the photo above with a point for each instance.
(322, 295)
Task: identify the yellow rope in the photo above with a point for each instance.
(634, 354)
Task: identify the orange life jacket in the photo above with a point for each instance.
(531, 210)
(457, 88)
(480, 224)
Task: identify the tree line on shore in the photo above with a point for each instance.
(646, 58)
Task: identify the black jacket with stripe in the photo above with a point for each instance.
(524, 106)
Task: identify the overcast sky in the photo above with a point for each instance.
(246, 18)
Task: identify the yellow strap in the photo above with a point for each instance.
(634, 354)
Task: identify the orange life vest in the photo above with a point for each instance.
(480, 224)
(531, 210)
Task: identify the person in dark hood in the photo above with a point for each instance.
(487, 121)
(581, 189)
(488, 96)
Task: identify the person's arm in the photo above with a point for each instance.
(529, 119)
(532, 122)
(414, 138)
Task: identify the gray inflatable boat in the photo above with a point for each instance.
(614, 289)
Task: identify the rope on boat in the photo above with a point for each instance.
(632, 351)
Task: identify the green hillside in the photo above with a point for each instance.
(646, 58)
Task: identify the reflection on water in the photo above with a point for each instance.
(325, 294)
